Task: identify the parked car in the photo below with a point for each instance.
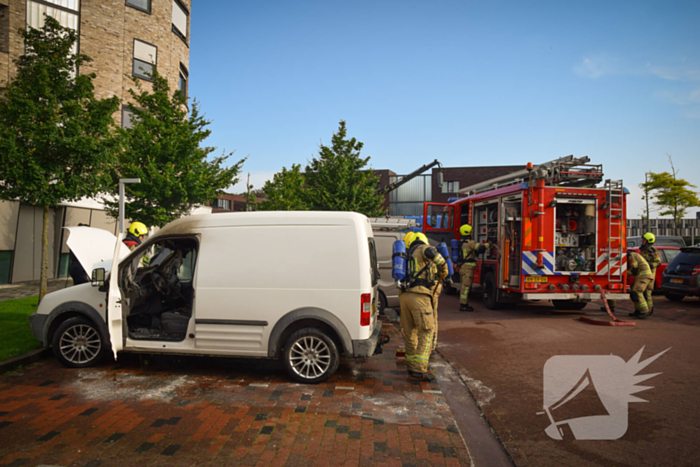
(666, 253)
(208, 291)
(661, 240)
(682, 276)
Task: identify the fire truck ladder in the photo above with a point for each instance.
(614, 215)
(566, 171)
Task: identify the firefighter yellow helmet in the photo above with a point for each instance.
(419, 236)
(408, 237)
(650, 237)
(137, 229)
(465, 230)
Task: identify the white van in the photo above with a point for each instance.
(300, 286)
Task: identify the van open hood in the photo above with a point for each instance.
(94, 248)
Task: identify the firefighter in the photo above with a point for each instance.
(426, 267)
(641, 271)
(134, 236)
(407, 238)
(468, 250)
(651, 255)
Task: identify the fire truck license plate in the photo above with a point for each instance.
(536, 279)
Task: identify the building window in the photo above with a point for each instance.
(64, 11)
(145, 60)
(5, 266)
(450, 187)
(223, 204)
(143, 5)
(129, 118)
(4, 28)
(182, 85)
(180, 15)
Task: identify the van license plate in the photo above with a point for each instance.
(374, 308)
(677, 281)
(536, 279)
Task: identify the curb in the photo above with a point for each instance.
(32, 356)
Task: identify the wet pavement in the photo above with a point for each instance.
(501, 354)
(156, 410)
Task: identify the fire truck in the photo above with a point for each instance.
(555, 231)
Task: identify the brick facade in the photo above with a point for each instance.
(383, 183)
(107, 32)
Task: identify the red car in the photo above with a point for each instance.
(667, 253)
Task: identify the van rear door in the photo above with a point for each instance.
(114, 303)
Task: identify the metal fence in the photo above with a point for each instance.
(686, 228)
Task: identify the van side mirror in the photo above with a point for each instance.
(98, 277)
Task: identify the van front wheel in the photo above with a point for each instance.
(77, 343)
(310, 356)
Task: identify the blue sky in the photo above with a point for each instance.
(466, 82)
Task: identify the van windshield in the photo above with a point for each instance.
(373, 261)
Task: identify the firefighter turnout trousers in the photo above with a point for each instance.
(466, 278)
(417, 324)
(639, 288)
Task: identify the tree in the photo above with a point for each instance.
(249, 196)
(646, 197)
(163, 150)
(338, 181)
(56, 139)
(285, 192)
(672, 195)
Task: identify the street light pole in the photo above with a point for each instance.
(122, 182)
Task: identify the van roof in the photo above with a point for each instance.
(199, 221)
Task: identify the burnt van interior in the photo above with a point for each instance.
(158, 294)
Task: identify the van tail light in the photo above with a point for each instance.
(696, 270)
(365, 308)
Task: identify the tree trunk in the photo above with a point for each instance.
(43, 280)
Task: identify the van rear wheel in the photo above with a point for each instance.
(310, 356)
(77, 343)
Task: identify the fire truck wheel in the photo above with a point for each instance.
(569, 305)
(490, 297)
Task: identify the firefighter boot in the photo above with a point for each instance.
(465, 307)
(421, 376)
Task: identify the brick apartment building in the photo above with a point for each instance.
(124, 38)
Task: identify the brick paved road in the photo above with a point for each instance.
(186, 411)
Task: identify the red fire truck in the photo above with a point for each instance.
(556, 230)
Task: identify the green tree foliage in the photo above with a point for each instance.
(285, 192)
(671, 195)
(339, 179)
(56, 139)
(164, 150)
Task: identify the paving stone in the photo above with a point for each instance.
(145, 447)
(170, 450)
(114, 438)
(49, 436)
